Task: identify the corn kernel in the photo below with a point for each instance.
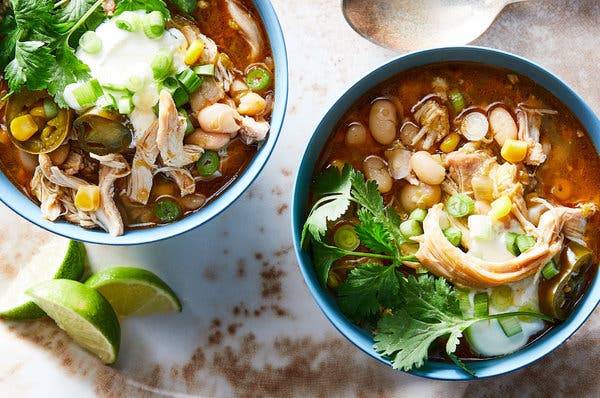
(23, 127)
(38, 111)
(450, 143)
(514, 150)
(194, 52)
(501, 207)
(251, 104)
(87, 198)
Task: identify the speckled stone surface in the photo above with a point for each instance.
(249, 326)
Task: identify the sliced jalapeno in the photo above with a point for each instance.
(559, 294)
(102, 132)
(52, 129)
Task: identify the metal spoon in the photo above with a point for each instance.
(408, 25)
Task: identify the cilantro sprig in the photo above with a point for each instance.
(413, 312)
(427, 309)
(38, 39)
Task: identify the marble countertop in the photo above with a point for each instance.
(249, 325)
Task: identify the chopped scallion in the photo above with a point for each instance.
(125, 105)
(550, 270)
(346, 238)
(154, 25)
(510, 326)
(464, 301)
(128, 21)
(87, 93)
(161, 65)
(525, 242)
(460, 205)
(501, 297)
(179, 94)
(454, 235)
(205, 70)
(189, 127)
(481, 304)
(510, 239)
(190, 80)
(456, 100)
(167, 211)
(50, 108)
(208, 163)
(418, 214)
(90, 42)
(410, 228)
(258, 79)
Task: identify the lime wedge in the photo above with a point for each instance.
(59, 258)
(134, 291)
(83, 313)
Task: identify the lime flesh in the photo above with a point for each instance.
(83, 313)
(134, 291)
(59, 258)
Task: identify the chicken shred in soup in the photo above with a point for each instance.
(489, 196)
(172, 111)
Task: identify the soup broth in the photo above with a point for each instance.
(442, 143)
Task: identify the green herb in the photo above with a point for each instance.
(35, 48)
(427, 309)
(368, 288)
(186, 6)
(145, 5)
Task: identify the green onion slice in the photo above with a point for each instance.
(501, 297)
(167, 211)
(481, 304)
(464, 301)
(90, 42)
(456, 100)
(190, 80)
(205, 70)
(550, 270)
(510, 239)
(410, 228)
(460, 205)
(258, 79)
(454, 235)
(525, 242)
(418, 214)
(128, 21)
(161, 65)
(510, 326)
(345, 237)
(189, 127)
(87, 93)
(154, 25)
(208, 163)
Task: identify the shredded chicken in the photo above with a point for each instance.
(253, 131)
(48, 194)
(56, 175)
(112, 167)
(170, 135)
(141, 178)
(443, 259)
(529, 122)
(209, 93)
(249, 29)
(182, 177)
(434, 121)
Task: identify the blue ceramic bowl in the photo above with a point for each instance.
(361, 338)
(14, 199)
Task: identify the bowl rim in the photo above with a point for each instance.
(18, 202)
(361, 338)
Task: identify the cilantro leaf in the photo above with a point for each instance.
(146, 5)
(66, 70)
(336, 187)
(428, 309)
(10, 34)
(324, 256)
(373, 234)
(74, 11)
(31, 65)
(366, 289)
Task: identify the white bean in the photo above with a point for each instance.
(219, 118)
(427, 168)
(375, 169)
(422, 196)
(502, 124)
(398, 162)
(474, 126)
(383, 121)
(210, 141)
(356, 135)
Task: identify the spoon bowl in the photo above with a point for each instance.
(408, 25)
